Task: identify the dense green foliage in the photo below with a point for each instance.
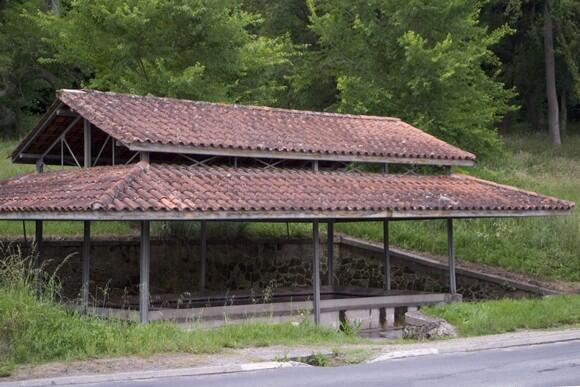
(35, 329)
(195, 49)
(522, 57)
(421, 61)
(491, 317)
(438, 64)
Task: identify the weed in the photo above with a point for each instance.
(490, 317)
(35, 329)
(350, 328)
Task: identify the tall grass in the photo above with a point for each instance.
(490, 317)
(34, 328)
(544, 247)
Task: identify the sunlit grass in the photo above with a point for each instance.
(546, 247)
(491, 317)
(34, 328)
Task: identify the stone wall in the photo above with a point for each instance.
(247, 264)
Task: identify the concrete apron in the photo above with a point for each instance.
(362, 313)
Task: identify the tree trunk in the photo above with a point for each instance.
(553, 119)
(563, 112)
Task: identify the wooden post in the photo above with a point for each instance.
(330, 248)
(315, 165)
(316, 271)
(86, 266)
(144, 273)
(451, 254)
(386, 255)
(203, 265)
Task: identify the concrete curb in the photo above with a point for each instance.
(145, 375)
(481, 343)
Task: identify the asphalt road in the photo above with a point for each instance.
(540, 365)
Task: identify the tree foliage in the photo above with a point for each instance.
(197, 49)
(26, 83)
(454, 68)
(428, 62)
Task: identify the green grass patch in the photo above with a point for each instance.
(545, 247)
(491, 317)
(35, 329)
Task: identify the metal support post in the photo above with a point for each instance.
(451, 254)
(38, 243)
(330, 248)
(386, 255)
(86, 270)
(203, 265)
(87, 144)
(144, 273)
(316, 271)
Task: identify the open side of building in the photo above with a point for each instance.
(147, 158)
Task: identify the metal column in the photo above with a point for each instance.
(330, 248)
(203, 266)
(451, 254)
(86, 266)
(87, 144)
(316, 271)
(144, 275)
(386, 255)
(38, 243)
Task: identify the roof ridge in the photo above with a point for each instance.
(505, 186)
(239, 106)
(110, 194)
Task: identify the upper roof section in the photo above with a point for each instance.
(179, 126)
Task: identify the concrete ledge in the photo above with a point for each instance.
(275, 310)
(480, 343)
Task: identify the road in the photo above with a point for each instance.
(538, 365)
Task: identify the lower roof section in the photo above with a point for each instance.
(172, 192)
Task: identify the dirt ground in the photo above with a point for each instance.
(181, 360)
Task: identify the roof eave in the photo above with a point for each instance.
(230, 152)
(36, 131)
(276, 216)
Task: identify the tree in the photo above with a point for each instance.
(428, 62)
(196, 49)
(523, 55)
(26, 82)
(553, 119)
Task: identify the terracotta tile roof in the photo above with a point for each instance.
(140, 121)
(227, 192)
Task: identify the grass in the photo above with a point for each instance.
(542, 247)
(492, 317)
(34, 328)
